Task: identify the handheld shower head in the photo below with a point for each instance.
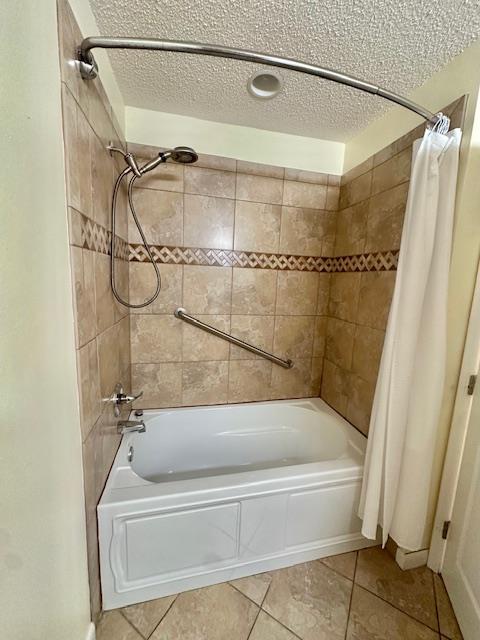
(183, 155)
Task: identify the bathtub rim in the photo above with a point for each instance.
(124, 486)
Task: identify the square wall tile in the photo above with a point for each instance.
(209, 182)
(257, 226)
(302, 231)
(335, 386)
(385, 219)
(83, 276)
(351, 230)
(249, 380)
(303, 194)
(355, 172)
(259, 189)
(257, 169)
(367, 352)
(143, 283)
(333, 198)
(256, 330)
(293, 336)
(207, 161)
(161, 385)
(324, 280)
(156, 338)
(357, 190)
(294, 382)
(161, 216)
(207, 290)
(89, 387)
(254, 291)
(102, 183)
(297, 293)
(104, 300)
(300, 175)
(319, 337)
(344, 294)
(78, 138)
(167, 177)
(122, 286)
(360, 401)
(208, 222)
(376, 291)
(393, 172)
(109, 363)
(199, 345)
(205, 383)
(339, 342)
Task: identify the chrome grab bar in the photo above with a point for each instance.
(183, 315)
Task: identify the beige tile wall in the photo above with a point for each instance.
(102, 326)
(326, 323)
(224, 204)
(372, 204)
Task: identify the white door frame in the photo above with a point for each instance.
(458, 432)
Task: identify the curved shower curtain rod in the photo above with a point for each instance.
(89, 68)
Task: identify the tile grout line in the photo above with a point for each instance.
(259, 609)
(351, 595)
(231, 283)
(373, 195)
(397, 608)
(129, 623)
(270, 387)
(273, 617)
(436, 604)
(163, 617)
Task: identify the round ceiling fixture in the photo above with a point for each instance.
(264, 85)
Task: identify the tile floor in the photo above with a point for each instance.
(353, 596)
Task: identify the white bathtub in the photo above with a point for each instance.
(217, 493)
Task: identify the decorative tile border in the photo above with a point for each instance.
(380, 261)
(97, 238)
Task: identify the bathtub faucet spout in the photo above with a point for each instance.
(130, 426)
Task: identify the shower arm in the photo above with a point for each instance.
(89, 68)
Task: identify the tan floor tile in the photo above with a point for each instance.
(213, 613)
(311, 600)
(344, 563)
(113, 626)
(374, 619)
(446, 617)
(146, 615)
(254, 587)
(411, 591)
(266, 628)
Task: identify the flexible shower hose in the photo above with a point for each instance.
(142, 235)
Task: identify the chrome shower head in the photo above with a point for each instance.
(184, 155)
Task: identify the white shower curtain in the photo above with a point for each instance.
(406, 408)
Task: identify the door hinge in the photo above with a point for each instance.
(445, 529)
(472, 381)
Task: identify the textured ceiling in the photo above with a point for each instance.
(396, 44)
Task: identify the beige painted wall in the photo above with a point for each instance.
(461, 76)
(234, 141)
(43, 563)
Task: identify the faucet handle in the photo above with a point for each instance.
(125, 398)
(119, 397)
